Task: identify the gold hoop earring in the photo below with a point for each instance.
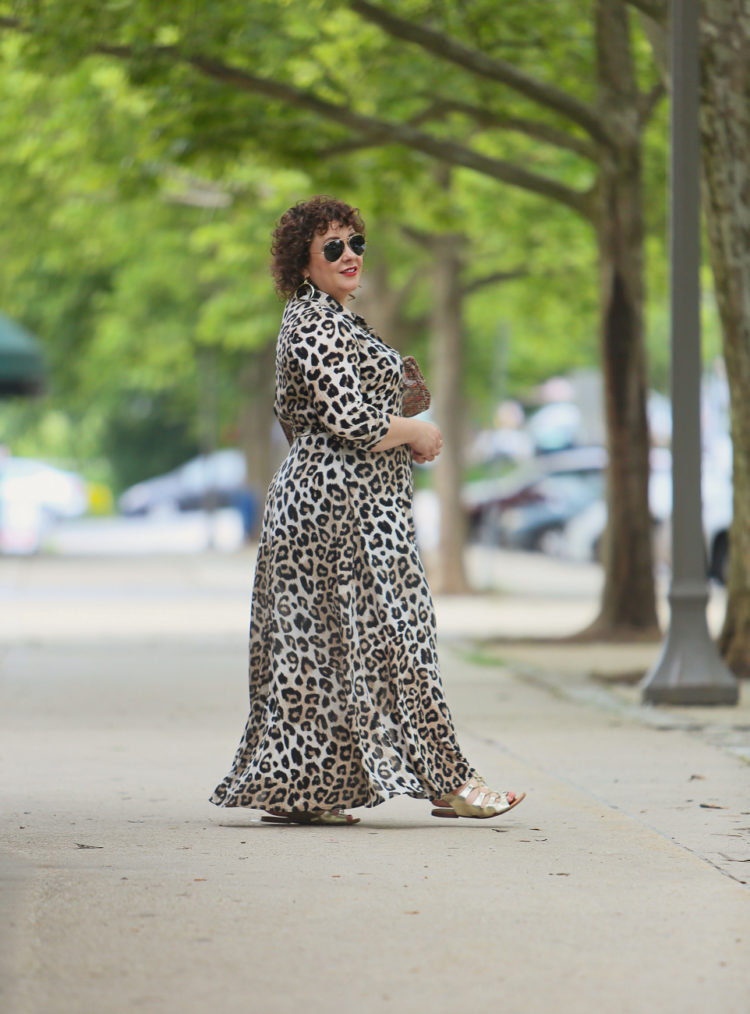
(306, 290)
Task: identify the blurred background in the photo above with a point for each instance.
(137, 337)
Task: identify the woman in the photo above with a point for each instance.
(346, 702)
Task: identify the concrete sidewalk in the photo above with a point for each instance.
(617, 886)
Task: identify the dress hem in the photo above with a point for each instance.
(224, 803)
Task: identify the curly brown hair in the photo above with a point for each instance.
(290, 244)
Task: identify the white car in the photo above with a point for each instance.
(581, 537)
(33, 495)
(61, 494)
(221, 474)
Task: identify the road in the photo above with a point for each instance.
(619, 885)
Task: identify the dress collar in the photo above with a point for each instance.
(325, 298)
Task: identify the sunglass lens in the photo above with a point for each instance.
(357, 244)
(333, 249)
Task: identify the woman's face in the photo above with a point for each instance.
(337, 278)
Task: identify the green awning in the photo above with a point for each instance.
(21, 362)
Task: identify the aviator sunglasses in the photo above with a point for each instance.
(334, 248)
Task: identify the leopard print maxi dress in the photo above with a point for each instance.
(346, 702)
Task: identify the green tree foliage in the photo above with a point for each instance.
(125, 266)
(201, 103)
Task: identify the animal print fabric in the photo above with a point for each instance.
(346, 701)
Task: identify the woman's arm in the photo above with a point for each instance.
(327, 355)
(326, 351)
(424, 438)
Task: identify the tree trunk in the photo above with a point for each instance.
(256, 421)
(628, 600)
(382, 305)
(208, 415)
(448, 407)
(725, 150)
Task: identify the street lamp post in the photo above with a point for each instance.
(690, 669)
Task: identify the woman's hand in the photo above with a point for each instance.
(426, 442)
(424, 438)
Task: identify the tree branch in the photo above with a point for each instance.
(383, 131)
(433, 111)
(193, 190)
(493, 279)
(418, 236)
(648, 101)
(374, 130)
(532, 128)
(657, 10)
(403, 294)
(495, 69)
(347, 147)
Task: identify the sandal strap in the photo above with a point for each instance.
(471, 786)
(486, 799)
(501, 802)
(478, 786)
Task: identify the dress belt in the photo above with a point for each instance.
(309, 429)
(333, 440)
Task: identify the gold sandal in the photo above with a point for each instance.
(304, 817)
(486, 804)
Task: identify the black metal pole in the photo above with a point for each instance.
(689, 670)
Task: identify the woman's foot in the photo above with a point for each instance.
(476, 790)
(473, 799)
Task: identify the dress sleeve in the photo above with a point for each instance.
(329, 358)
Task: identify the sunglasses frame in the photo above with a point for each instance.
(333, 244)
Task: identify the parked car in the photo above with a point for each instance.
(33, 496)
(60, 493)
(536, 520)
(218, 475)
(214, 480)
(543, 493)
(718, 505)
(162, 492)
(581, 536)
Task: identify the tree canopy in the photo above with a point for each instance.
(145, 183)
